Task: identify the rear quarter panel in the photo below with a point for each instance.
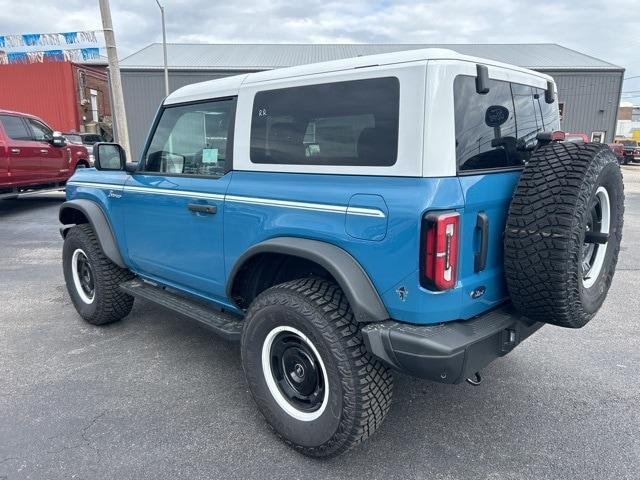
(389, 260)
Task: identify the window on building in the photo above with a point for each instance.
(498, 129)
(15, 127)
(191, 139)
(93, 98)
(342, 123)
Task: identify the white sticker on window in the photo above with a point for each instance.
(210, 155)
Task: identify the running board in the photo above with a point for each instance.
(224, 324)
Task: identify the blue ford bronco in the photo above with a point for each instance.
(416, 211)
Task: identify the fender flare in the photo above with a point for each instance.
(363, 297)
(98, 220)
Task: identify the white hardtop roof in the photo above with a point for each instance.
(230, 86)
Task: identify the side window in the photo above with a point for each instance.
(40, 131)
(342, 123)
(485, 126)
(15, 128)
(192, 139)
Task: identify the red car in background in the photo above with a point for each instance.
(618, 150)
(631, 150)
(33, 157)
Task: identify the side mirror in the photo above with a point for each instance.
(482, 79)
(57, 140)
(549, 93)
(109, 156)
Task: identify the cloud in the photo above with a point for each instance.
(607, 30)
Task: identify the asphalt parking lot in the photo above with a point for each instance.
(156, 396)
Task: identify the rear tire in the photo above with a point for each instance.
(309, 371)
(93, 281)
(568, 194)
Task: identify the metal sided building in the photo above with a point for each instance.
(588, 88)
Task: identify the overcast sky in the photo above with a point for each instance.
(609, 30)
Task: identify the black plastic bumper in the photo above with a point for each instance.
(448, 352)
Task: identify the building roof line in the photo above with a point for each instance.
(254, 56)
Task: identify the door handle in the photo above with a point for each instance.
(15, 151)
(200, 208)
(480, 257)
(44, 150)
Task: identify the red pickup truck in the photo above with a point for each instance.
(33, 157)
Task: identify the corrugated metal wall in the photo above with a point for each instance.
(590, 99)
(46, 90)
(144, 91)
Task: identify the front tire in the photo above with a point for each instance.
(93, 281)
(308, 369)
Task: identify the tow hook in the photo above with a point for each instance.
(475, 380)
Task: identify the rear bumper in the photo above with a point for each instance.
(448, 352)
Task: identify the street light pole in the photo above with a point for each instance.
(119, 112)
(164, 50)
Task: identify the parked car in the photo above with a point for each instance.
(576, 137)
(618, 151)
(33, 157)
(631, 150)
(342, 220)
(88, 139)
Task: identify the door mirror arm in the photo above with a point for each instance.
(131, 167)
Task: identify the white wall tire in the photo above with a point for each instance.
(77, 267)
(276, 392)
(596, 253)
(314, 314)
(103, 302)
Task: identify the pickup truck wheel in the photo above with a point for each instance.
(563, 233)
(92, 279)
(308, 369)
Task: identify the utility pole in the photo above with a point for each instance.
(164, 51)
(119, 113)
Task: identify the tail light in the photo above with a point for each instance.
(439, 256)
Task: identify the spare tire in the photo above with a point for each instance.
(563, 233)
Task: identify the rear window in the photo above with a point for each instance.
(91, 139)
(498, 130)
(15, 128)
(342, 123)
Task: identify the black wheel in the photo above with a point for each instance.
(92, 279)
(308, 369)
(563, 233)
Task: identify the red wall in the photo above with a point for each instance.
(46, 90)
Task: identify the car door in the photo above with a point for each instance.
(23, 165)
(53, 160)
(173, 206)
(495, 135)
